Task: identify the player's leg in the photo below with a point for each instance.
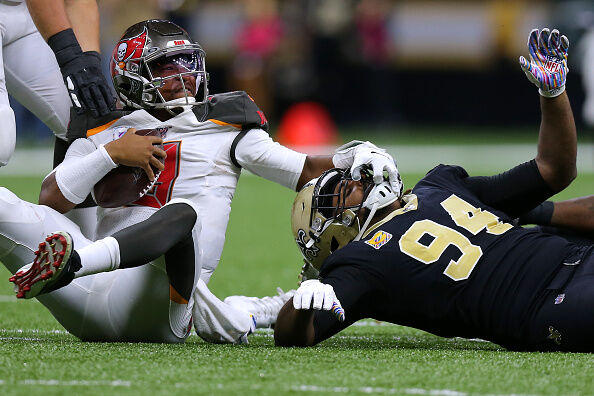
(33, 78)
(22, 226)
(161, 292)
(8, 130)
(565, 321)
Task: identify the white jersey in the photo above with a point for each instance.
(199, 167)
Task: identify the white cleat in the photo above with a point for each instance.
(265, 309)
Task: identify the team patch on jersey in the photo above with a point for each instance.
(379, 239)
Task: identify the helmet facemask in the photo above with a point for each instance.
(171, 69)
(322, 221)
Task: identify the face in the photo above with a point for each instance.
(352, 195)
(173, 88)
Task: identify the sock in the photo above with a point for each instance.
(100, 256)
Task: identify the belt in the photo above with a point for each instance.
(570, 263)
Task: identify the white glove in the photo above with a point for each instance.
(313, 294)
(356, 154)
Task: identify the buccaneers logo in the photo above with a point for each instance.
(308, 252)
(129, 49)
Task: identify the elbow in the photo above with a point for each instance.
(51, 196)
(294, 328)
(556, 176)
(563, 178)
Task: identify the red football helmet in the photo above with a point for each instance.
(138, 61)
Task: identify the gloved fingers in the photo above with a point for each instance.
(98, 100)
(393, 177)
(554, 42)
(543, 41)
(108, 98)
(86, 99)
(356, 172)
(297, 300)
(378, 166)
(329, 298)
(533, 45)
(337, 310)
(318, 299)
(564, 46)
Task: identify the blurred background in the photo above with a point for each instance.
(380, 67)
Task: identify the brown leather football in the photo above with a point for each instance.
(125, 184)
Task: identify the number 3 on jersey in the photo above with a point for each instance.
(161, 192)
(472, 219)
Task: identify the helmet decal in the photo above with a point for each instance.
(307, 252)
(129, 49)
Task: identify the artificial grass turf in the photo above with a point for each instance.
(38, 357)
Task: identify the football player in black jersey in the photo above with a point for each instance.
(446, 257)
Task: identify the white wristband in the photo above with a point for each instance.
(553, 93)
(76, 177)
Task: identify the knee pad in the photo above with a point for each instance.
(7, 133)
(187, 202)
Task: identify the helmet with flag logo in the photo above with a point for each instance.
(145, 48)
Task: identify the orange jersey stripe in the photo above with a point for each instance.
(101, 128)
(175, 296)
(222, 123)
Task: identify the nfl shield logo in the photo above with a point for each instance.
(379, 239)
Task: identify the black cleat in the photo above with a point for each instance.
(54, 266)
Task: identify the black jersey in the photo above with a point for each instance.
(446, 263)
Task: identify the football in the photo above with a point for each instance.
(124, 184)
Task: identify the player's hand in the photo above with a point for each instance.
(547, 67)
(137, 151)
(87, 86)
(357, 155)
(313, 294)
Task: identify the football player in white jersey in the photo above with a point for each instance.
(178, 228)
(34, 73)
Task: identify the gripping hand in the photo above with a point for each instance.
(313, 294)
(547, 67)
(356, 155)
(87, 87)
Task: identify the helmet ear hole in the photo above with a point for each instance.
(334, 245)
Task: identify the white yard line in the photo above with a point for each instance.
(391, 391)
(114, 383)
(34, 331)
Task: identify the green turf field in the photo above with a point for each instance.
(38, 357)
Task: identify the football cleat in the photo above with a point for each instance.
(263, 310)
(54, 266)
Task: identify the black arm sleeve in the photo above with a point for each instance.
(515, 191)
(357, 294)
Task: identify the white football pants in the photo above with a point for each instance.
(124, 305)
(31, 74)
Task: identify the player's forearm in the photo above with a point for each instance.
(557, 142)
(576, 214)
(54, 16)
(294, 327)
(313, 167)
(76, 177)
(50, 195)
(84, 18)
(49, 16)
